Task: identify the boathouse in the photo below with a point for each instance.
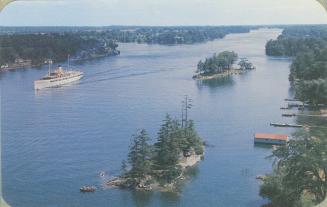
(277, 139)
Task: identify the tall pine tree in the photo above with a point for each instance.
(139, 156)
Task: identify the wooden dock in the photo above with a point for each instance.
(285, 108)
(286, 125)
(289, 114)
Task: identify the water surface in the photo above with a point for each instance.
(59, 139)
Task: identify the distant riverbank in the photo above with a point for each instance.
(25, 50)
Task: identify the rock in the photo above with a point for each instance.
(260, 177)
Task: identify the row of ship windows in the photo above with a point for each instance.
(63, 79)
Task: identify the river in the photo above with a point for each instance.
(56, 140)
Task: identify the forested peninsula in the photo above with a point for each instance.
(36, 48)
(299, 170)
(307, 45)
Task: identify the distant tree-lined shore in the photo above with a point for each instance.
(307, 46)
(39, 47)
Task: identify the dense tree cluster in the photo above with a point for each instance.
(218, 63)
(296, 39)
(245, 64)
(300, 171)
(160, 160)
(174, 35)
(39, 47)
(308, 46)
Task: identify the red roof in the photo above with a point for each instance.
(271, 136)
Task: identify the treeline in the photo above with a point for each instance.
(39, 47)
(173, 35)
(218, 63)
(308, 46)
(296, 39)
(150, 35)
(159, 162)
(300, 167)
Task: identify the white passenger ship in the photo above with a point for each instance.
(57, 78)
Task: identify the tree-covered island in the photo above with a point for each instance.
(220, 65)
(162, 165)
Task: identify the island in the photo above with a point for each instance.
(221, 65)
(161, 166)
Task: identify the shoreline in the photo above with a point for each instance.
(23, 67)
(233, 71)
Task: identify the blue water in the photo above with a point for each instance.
(57, 140)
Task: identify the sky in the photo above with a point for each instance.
(161, 12)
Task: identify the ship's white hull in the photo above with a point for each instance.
(40, 84)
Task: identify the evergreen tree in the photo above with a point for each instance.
(192, 139)
(124, 168)
(139, 156)
(168, 149)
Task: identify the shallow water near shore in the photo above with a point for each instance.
(57, 140)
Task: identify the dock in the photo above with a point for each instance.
(291, 99)
(289, 114)
(285, 108)
(272, 139)
(286, 125)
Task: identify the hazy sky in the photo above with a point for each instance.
(162, 12)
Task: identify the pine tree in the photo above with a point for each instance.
(168, 149)
(124, 168)
(192, 138)
(139, 156)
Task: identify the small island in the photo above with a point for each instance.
(221, 65)
(163, 165)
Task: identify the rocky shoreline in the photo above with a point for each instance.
(218, 75)
(150, 184)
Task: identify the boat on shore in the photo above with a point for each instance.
(57, 78)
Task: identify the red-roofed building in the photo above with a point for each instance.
(277, 139)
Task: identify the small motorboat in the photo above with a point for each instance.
(87, 189)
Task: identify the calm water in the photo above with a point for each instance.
(59, 139)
